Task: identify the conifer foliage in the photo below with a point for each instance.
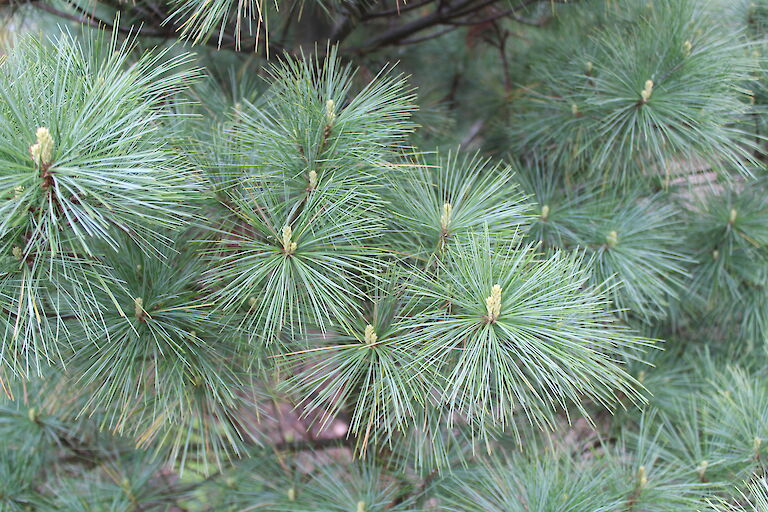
(235, 283)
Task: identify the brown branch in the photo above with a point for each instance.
(397, 12)
(399, 33)
(446, 13)
(503, 14)
(71, 17)
(454, 13)
(427, 37)
(92, 21)
(348, 23)
(316, 444)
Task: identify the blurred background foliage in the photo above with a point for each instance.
(611, 152)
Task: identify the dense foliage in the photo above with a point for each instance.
(248, 263)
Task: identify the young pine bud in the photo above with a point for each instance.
(17, 253)
(715, 255)
(42, 150)
(360, 506)
(756, 445)
(612, 239)
(292, 494)
(642, 479)
(574, 109)
(312, 180)
(32, 415)
(589, 67)
(493, 304)
(445, 218)
(687, 47)
(370, 335)
(330, 117)
(138, 309)
(702, 469)
(732, 216)
(330, 112)
(34, 151)
(545, 212)
(289, 247)
(645, 94)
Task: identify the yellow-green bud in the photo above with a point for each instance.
(702, 469)
(645, 94)
(138, 308)
(289, 247)
(642, 479)
(545, 212)
(42, 150)
(687, 47)
(360, 506)
(732, 216)
(330, 112)
(312, 180)
(445, 218)
(32, 415)
(612, 239)
(17, 253)
(493, 304)
(291, 494)
(370, 335)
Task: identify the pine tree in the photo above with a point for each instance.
(247, 262)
